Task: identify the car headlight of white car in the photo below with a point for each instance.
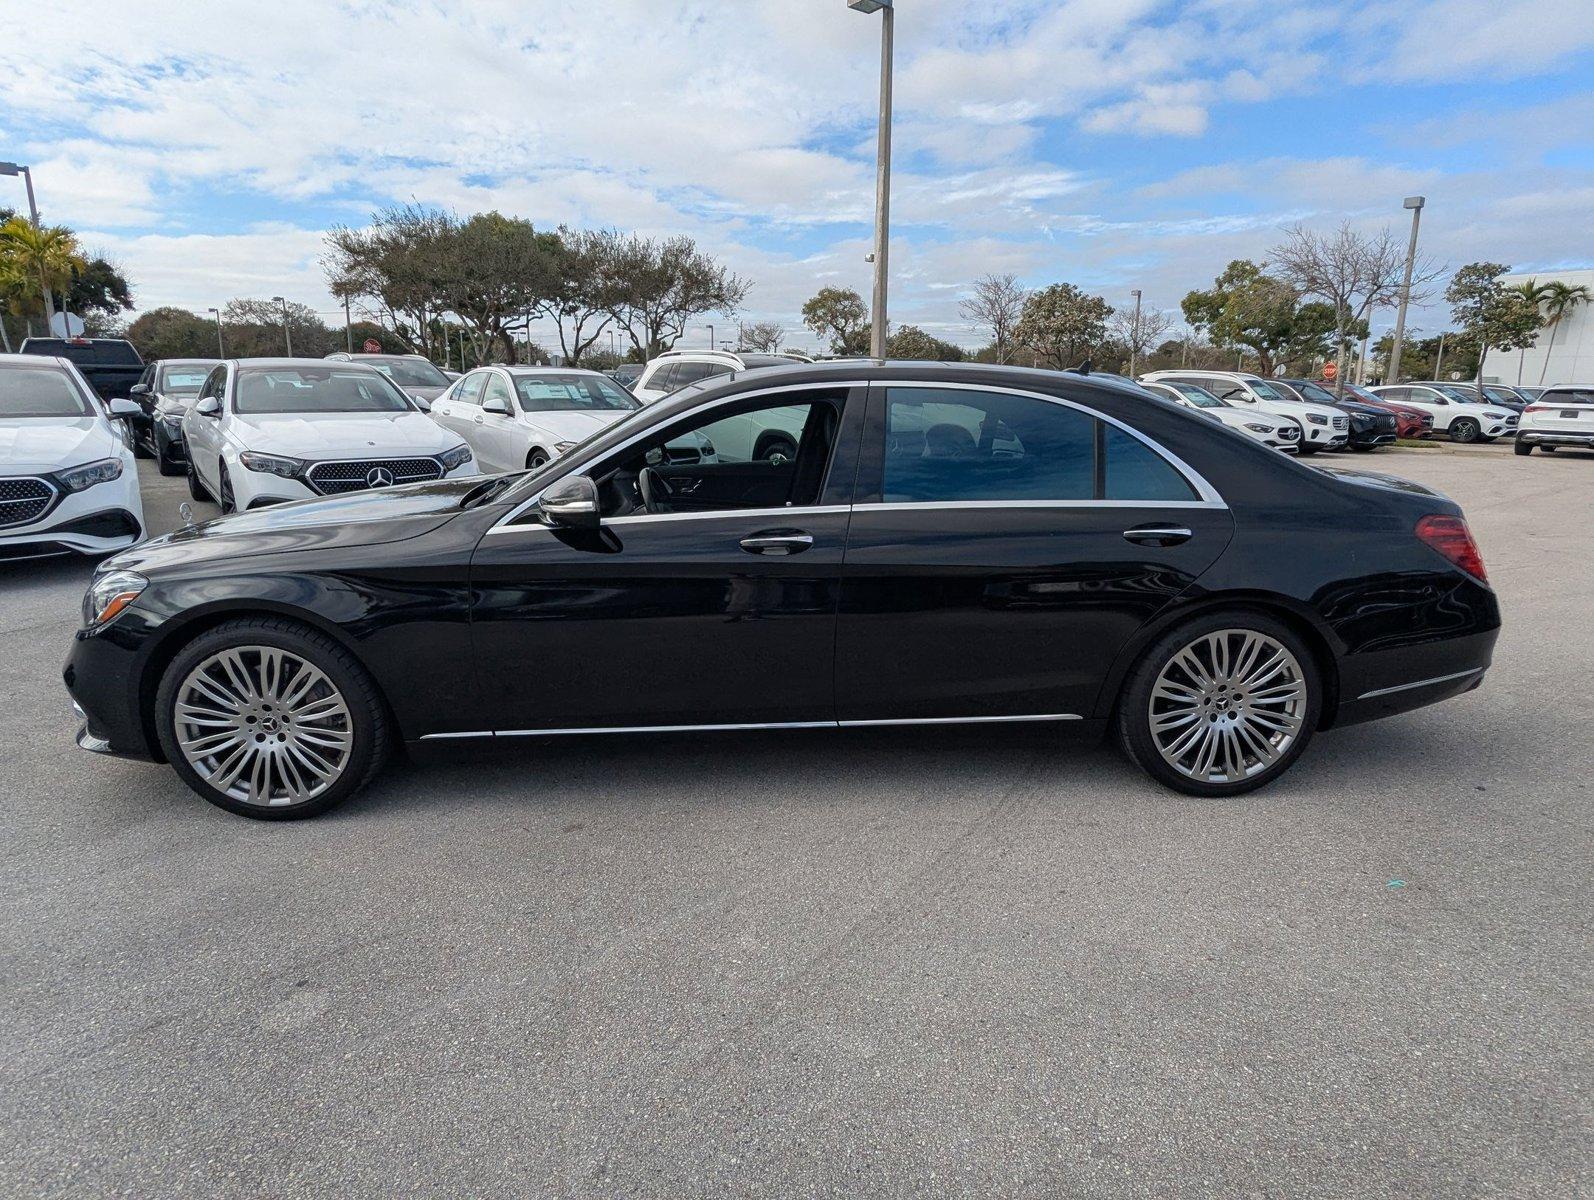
(272, 464)
(109, 594)
(1316, 420)
(76, 479)
(456, 457)
(1255, 428)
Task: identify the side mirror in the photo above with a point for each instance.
(124, 410)
(138, 389)
(572, 503)
(497, 405)
(208, 407)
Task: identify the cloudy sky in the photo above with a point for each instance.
(1111, 143)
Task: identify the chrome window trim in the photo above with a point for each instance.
(576, 731)
(1209, 496)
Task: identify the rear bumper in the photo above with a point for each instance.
(1546, 437)
(1374, 685)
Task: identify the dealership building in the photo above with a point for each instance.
(1570, 359)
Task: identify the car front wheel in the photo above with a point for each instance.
(1465, 430)
(1220, 705)
(271, 719)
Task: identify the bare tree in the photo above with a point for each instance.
(763, 336)
(1352, 274)
(996, 306)
(1140, 331)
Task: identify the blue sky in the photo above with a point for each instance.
(1111, 143)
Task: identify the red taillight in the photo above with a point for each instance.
(1451, 537)
(1534, 408)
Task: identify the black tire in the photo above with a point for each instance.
(1132, 719)
(537, 460)
(1465, 431)
(1306, 448)
(143, 448)
(228, 504)
(371, 728)
(772, 444)
(196, 487)
(167, 467)
(1522, 447)
(1548, 449)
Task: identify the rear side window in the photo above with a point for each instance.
(956, 446)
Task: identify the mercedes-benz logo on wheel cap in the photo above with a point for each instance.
(379, 477)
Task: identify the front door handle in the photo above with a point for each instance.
(1158, 535)
(480, 420)
(778, 542)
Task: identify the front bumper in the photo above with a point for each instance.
(102, 674)
(98, 520)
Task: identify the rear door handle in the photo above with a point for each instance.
(1158, 535)
(777, 542)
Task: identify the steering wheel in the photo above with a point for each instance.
(656, 493)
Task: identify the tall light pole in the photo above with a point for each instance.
(1134, 342)
(882, 186)
(1414, 203)
(221, 350)
(10, 168)
(287, 333)
(348, 327)
(711, 337)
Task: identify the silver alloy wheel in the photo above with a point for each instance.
(263, 726)
(1227, 706)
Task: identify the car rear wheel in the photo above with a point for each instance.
(270, 719)
(1522, 447)
(1465, 430)
(1220, 705)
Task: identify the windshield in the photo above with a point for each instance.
(1199, 396)
(1267, 391)
(1506, 394)
(185, 380)
(40, 392)
(317, 389)
(409, 372)
(1463, 395)
(560, 393)
(1313, 392)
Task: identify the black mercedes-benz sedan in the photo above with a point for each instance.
(921, 544)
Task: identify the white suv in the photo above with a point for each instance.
(675, 369)
(1455, 409)
(1281, 433)
(1323, 427)
(1562, 415)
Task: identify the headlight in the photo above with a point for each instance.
(1259, 428)
(272, 464)
(1316, 420)
(457, 457)
(86, 476)
(109, 594)
(561, 447)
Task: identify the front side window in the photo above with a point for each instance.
(1268, 391)
(40, 392)
(565, 393)
(497, 389)
(334, 388)
(956, 446)
(1314, 392)
(469, 389)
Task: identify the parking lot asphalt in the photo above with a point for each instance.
(956, 962)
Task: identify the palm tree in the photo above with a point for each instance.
(1536, 294)
(48, 254)
(1559, 301)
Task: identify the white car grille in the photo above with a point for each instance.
(24, 499)
(1341, 422)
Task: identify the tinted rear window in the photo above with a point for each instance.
(107, 353)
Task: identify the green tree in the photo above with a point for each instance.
(1060, 325)
(911, 342)
(35, 264)
(174, 333)
(98, 288)
(1247, 307)
(840, 315)
(255, 329)
(1559, 302)
(1492, 315)
(660, 285)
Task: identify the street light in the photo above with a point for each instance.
(221, 350)
(882, 187)
(11, 168)
(1414, 203)
(1134, 341)
(287, 333)
(711, 337)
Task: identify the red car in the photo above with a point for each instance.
(1409, 422)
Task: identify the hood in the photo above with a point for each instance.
(32, 444)
(1239, 417)
(367, 518)
(344, 435)
(567, 425)
(1377, 479)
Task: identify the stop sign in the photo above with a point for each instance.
(372, 346)
(1330, 370)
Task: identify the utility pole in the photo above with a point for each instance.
(1414, 203)
(882, 187)
(7, 168)
(287, 333)
(221, 350)
(348, 327)
(1439, 360)
(1134, 340)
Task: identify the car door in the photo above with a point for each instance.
(1003, 549)
(202, 434)
(500, 435)
(718, 610)
(458, 407)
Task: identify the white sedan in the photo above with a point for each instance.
(519, 418)
(1281, 433)
(68, 481)
(268, 430)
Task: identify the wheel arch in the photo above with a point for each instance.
(1298, 616)
(197, 621)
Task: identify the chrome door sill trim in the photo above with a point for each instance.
(506, 733)
(1406, 687)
